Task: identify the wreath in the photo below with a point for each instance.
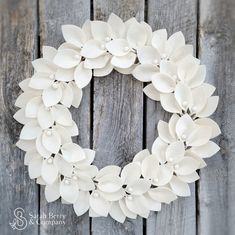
(176, 80)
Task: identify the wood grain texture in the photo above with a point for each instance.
(18, 43)
(118, 116)
(216, 213)
(175, 15)
(53, 14)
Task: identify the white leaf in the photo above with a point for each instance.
(159, 149)
(140, 156)
(64, 75)
(40, 148)
(42, 65)
(189, 178)
(82, 75)
(138, 187)
(41, 81)
(149, 167)
(175, 41)
(97, 63)
(110, 183)
(104, 71)
(77, 95)
(108, 170)
(100, 30)
(187, 166)
(20, 117)
(125, 210)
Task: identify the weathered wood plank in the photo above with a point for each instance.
(217, 185)
(174, 15)
(18, 43)
(118, 116)
(53, 14)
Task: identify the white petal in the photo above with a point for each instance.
(66, 75)
(140, 156)
(99, 204)
(175, 41)
(100, 30)
(189, 178)
(210, 107)
(104, 71)
(92, 49)
(184, 126)
(148, 55)
(139, 187)
(97, 63)
(35, 166)
(51, 142)
(110, 184)
(136, 36)
(73, 130)
(69, 190)
(40, 148)
(77, 94)
(149, 167)
(26, 145)
(45, 117)
(52, 192)
(115, 196)
(125, 70)
(172, 125)
(207, 150)
(208, 89)
(118, 47)
(131, 172)
(159, 39)
(86, 28)
(181, 53)
(179, 187)
(44, 66)
(209, 122)
(63, 166)
(30, 131)
(164, 175)
(67, 95)
(74, 35)
(82, 75)
(199, 77)
(125, 210)
(144, 72)
(163, 83)
(116, 212)
(40, 81)
(24, 85)
(67, 58)
(168, 68)
(62, 115)
(199, 136)
(48, 53)
(152, 204)
(64, 134)
(162, 194)
(169, 103)
(81, 206)
(163, 131)
(149, 32)
(24, 98)
(183, 95)
(108, 170)
(151, 92)
(49, 172)
(187, 166)
(85, 183)
(20, 117)
(72, 152)
(175, 151)
(125, 61)
(90, 156)
(51, 95)
(159, 149)
(199, 99)
(117, 26)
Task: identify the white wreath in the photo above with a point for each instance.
(177, 81)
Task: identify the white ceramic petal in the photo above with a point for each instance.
(138, 187)
(199, 136)
(187, 166)
(24, 98)
(189, 178)
(51, 140)
(104, 71)
(44, 66)
(35, 166)
(49, 53)
(199, 100)
(169, 103)
(125, 61)
(81, 206)
(183, 95)
(140, 156)
(144, 72)
(97, 63)
(131, 172)
(162, 194)
(152, 204)
(62, 115)
(207, 150)
(172, 125)
(85, 183)
(179, 187)
(175, 41)
(26, 145)
(20, 117)
(169, 68)
(149, 32)
(118, 47)
(159, 39)
(30, 131)
(117, 26)
(149, 167)
(125, 210)
(93, 49)
(67, 58)
(77, 94)
(63, 166)
(99, 204)
(108, 170)
(74, 35)
(210, 107)
(67, 95)
(41, 149)
(82, 75)
(163, 83)
(148, 55)
(159, 149)
(164, 175)
(49, 171)
(112, 197)
(72, 152)
(110, 184)
(100, 30)
(209, 122)
(41, 81)
(198, 78)
(116, 212)
(164, 133)
(52, 95)
(45, 117)
(137, 36)
(175, 151)
(181, 53)
(64, 75)
(69, 190)
(151, 92)
(52, 192)
(32, 107)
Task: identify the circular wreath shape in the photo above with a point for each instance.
(176, 80)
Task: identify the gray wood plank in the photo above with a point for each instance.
(217, 185)
(174, 15)
(18, 43)
(118, 116)
(53, 14)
